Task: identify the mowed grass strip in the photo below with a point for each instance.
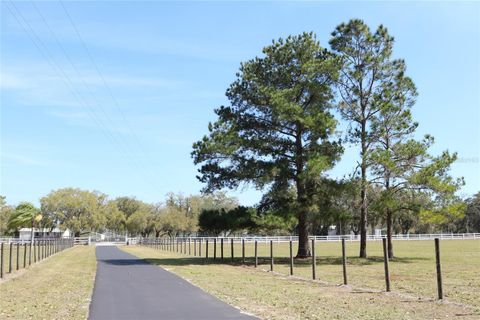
(412, 271)
(59, 287)
(274, 296)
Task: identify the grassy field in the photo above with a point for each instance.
(278, 296)
(59, 287)
(412, 271)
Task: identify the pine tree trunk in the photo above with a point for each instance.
(363, 195)
(303, 243)
(389, 233)
(363, 214)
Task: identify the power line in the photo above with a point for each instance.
(64, 76)
(109, 90)
(90, 91)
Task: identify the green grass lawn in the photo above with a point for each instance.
(59, 287)
(412, 271)
(412, 274)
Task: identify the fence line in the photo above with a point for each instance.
(179, 245)
(33, 251)
(267, 239)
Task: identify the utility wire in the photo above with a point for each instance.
(65, 78)
(90, 91)
(109, 90)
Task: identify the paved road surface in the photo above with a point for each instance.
(126, 287)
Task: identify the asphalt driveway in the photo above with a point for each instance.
(127, 287)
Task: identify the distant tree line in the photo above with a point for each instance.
(83, 211)
(217, 214)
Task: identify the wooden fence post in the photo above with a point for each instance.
(439, 269)
(214, 248)
(344, 262)
(231, 249)
(221, 248)
(256, 253)
(271, 255)
(184, 245)
(35, 249)
(1, 260)
(385, 261)
(206, 248)
(314, 261)
(24, 255)
(18, 255)
(195, 247)
(243, 251)
(30, 252)
(10, 255)
(291, 258)
(200, 247)
(189, 246)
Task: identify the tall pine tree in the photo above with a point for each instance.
(278, 130)
(366, 67)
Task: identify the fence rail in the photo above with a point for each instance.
(81, 241)
(267, 239)
(8, 240)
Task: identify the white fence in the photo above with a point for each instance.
(348, 237)
(8, 240)
(81, 241)
(430, 236)
(106, 240)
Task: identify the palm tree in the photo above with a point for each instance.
(25, 215)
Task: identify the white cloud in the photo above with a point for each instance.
(83, 99)
(34, 74)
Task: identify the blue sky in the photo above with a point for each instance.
(117, 106)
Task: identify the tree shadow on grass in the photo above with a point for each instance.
(277, 261)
